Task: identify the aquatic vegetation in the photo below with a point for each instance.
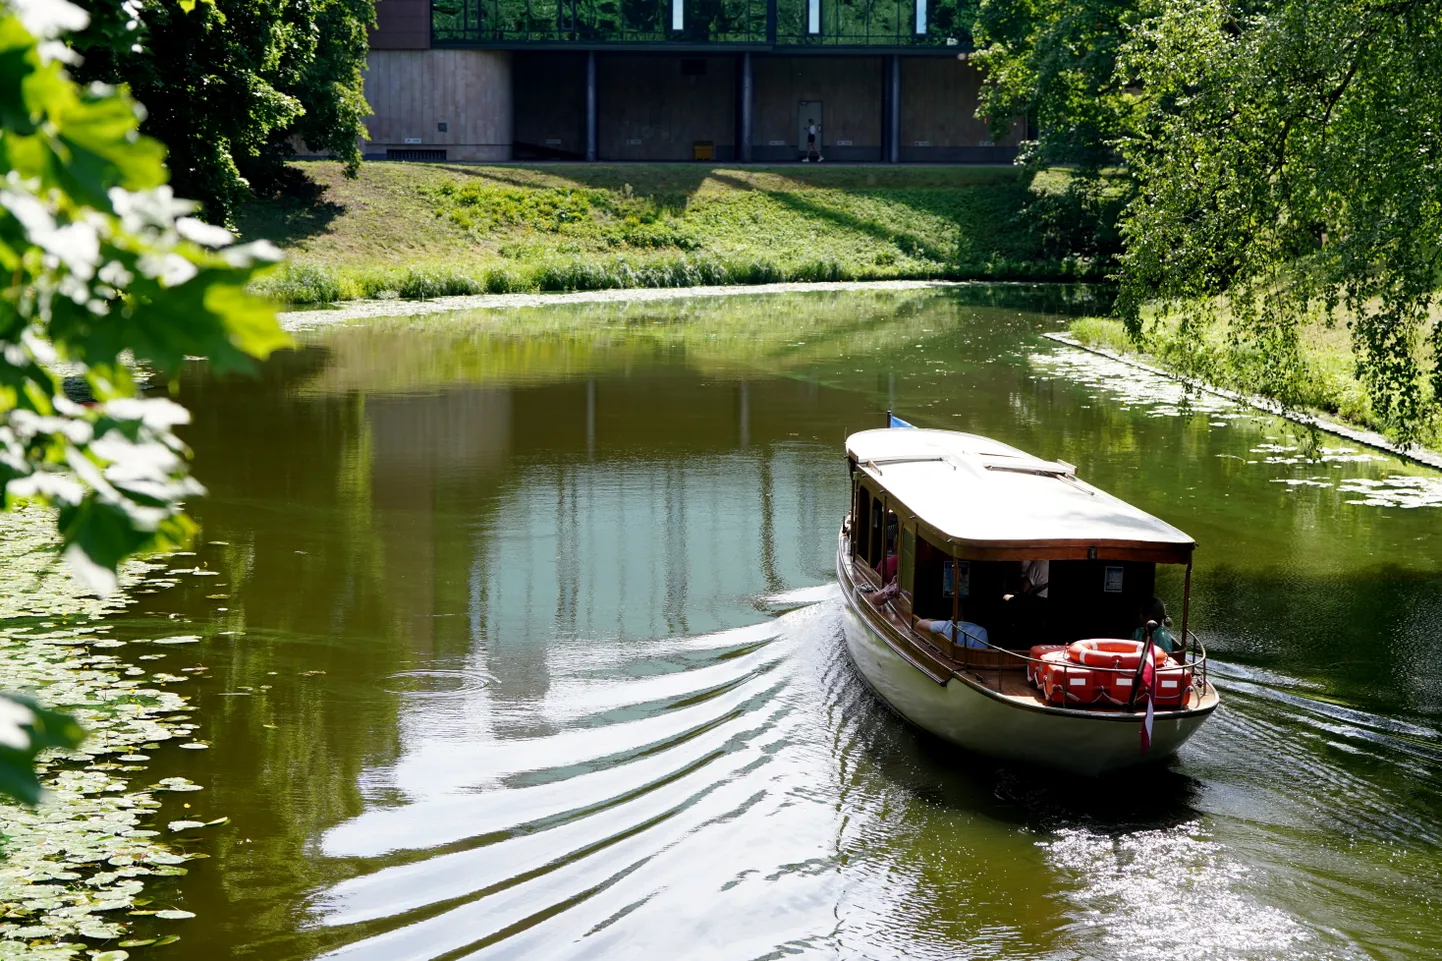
(74, 868)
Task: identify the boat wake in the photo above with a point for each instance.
(742, 795)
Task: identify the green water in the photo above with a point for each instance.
(544, 602)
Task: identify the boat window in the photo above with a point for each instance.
(907, 564)
(877, 546)
(933, 580)
(861, 527)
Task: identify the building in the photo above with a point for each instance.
(724, 80)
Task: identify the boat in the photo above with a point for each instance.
(1049, 670)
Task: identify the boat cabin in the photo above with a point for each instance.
(983, 533)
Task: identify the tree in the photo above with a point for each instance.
(1053, 67)
(229, 84)
(1286, 157)
(1055, 63)
(106, 269)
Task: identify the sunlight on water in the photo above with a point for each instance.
(1159, 894)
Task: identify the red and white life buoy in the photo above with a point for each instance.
(1106, 653)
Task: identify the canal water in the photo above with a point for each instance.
(525, 643)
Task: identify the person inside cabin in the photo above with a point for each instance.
(1155, 610)
(962, 632)
(1026, 600)
(1034, 577)
(886, 567)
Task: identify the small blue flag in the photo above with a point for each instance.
(898, 422)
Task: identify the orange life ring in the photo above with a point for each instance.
(1106, 653)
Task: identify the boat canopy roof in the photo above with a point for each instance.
(991, 501)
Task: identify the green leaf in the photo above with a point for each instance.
(26, 729)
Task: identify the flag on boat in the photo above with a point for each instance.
(893, 421)
(1148, 687)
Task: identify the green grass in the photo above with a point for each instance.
(1324, 382)
(429, 230)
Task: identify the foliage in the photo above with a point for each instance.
(1286, 159)
(1053, 66)
(1054, 62)
(106, 270)
(228, 84)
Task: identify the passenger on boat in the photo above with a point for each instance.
(878, 598)
(1025, 613)
(886, 567)
(964, 633)
(1155, 610)
(1034, 577)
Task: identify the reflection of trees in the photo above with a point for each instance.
(287, 477)
(715, 336)
(1366, 634)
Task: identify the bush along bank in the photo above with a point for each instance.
(1323, 381)
(421, 231)
(306, 284)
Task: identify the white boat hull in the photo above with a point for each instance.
(966, 714)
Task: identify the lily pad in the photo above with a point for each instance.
(177, 784)
(88, 850)
(178, 639)
(178, 826)
(174, 914)
(99, 930)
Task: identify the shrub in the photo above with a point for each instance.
(300, 284)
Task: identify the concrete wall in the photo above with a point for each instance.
(402, 25)
(939, 96)
(649, 110)
(849, 89)
(550, 105)
(413, 92)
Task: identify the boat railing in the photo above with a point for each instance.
(1193, 656)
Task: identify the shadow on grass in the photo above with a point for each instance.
(296, 210)
(1004, 210)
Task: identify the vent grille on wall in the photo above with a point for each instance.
(414, 154)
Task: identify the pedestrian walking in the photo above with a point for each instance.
(813, 144)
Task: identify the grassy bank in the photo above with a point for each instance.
(429, 230)
(1325, 382)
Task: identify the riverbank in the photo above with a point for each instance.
(368, 309)
(1326, 392)
(419, 231)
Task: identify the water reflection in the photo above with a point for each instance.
(544, 602)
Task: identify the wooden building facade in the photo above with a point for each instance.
(668, 80)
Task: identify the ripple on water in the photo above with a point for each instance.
(436, 683)
(657, 780)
